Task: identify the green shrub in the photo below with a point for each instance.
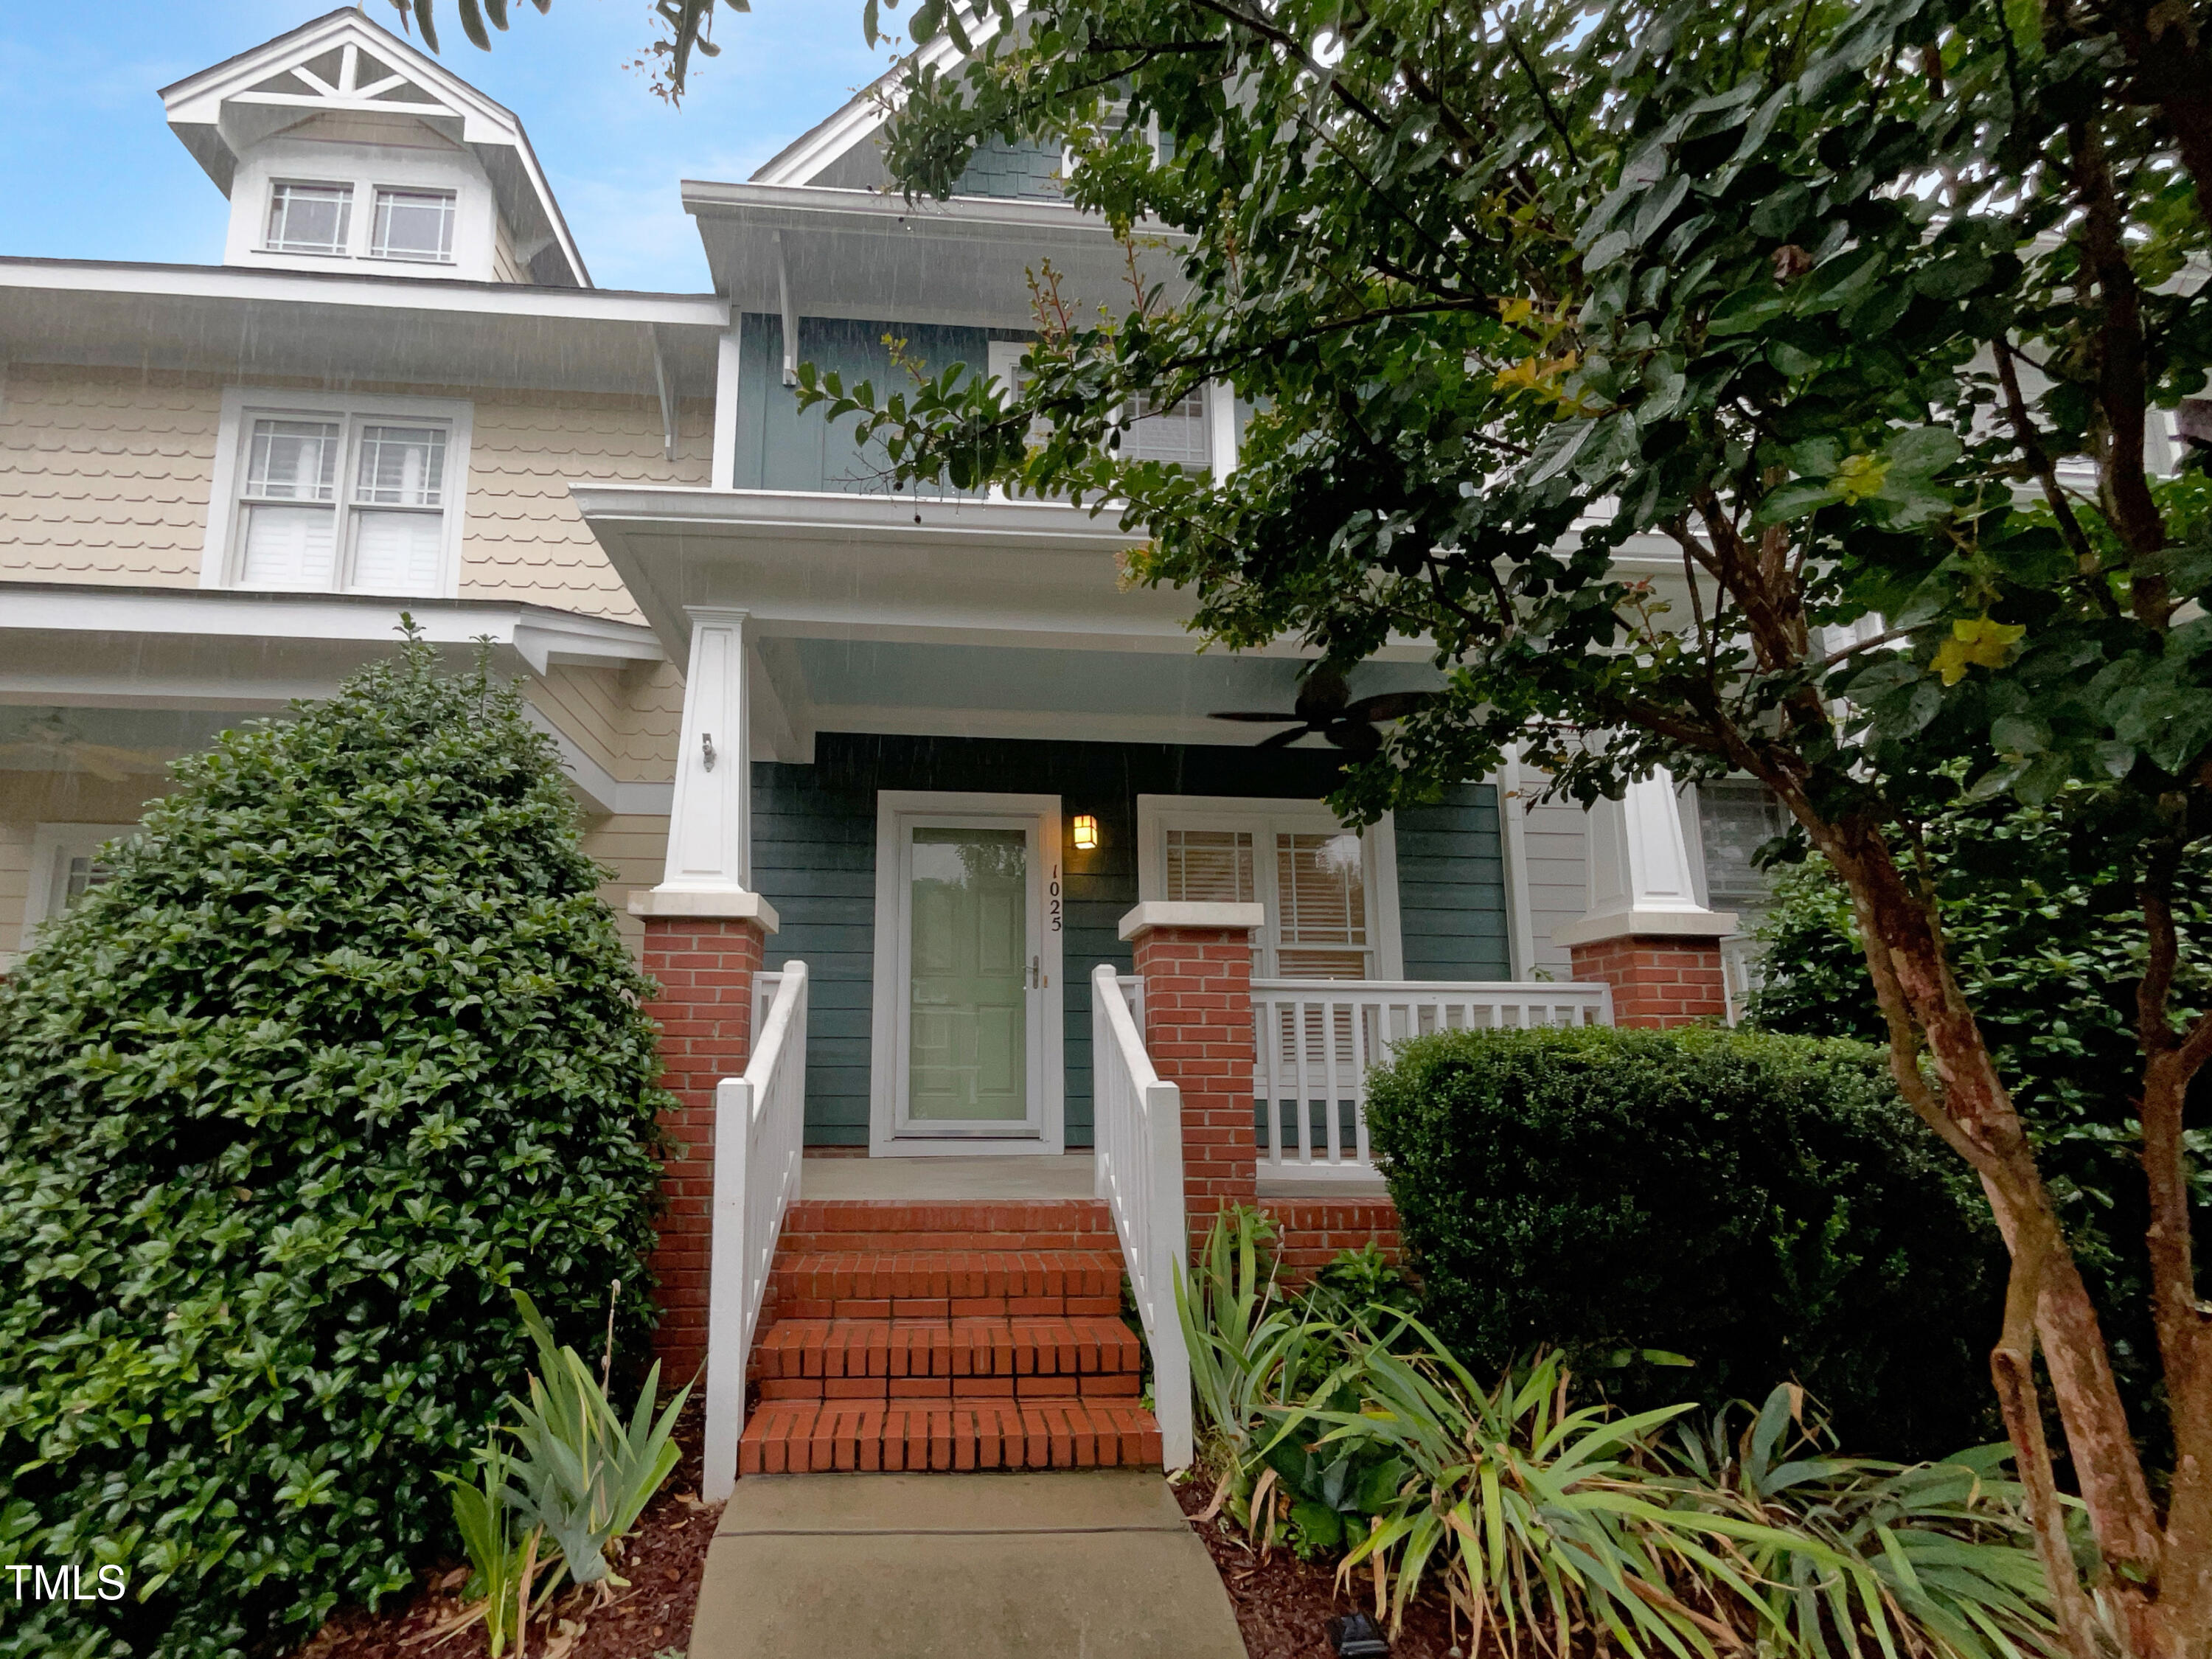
(2045, 929)
(1763, 1205)
(347, 1047)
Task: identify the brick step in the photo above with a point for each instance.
(818, 1226)
(816, 1436)
(945, 1284)
(1040, 1349)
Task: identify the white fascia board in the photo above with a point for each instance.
(800, 207)
(372, 293)
(1047, 725)
(539, 636)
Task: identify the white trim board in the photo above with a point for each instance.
(1157, 813)
(889, 976)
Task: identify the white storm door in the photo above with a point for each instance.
(974, 999)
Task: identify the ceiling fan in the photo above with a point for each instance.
(52, 740)
(1324, 706)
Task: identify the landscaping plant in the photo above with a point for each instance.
(345, 1051)
(1569, 1526)
(1780, 390)
(1763, 1207)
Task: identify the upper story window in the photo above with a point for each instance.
(413, 224)
(359, 496)
(1175, 432)
(1330, 894)
(309, 218)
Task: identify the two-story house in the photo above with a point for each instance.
(926, 744)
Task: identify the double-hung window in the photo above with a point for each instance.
(1172, 431)
(309, 218)
(1329, 893)
(358, 498)
(413, 224)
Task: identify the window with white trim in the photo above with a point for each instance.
(65, 866)
(413, 224)
(1175, 432)
(1736, 817)
(359, 497)
(1330, 894)
(309, 217)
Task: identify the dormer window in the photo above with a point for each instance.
(309, 218)
(413, 224)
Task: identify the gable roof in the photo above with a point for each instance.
(821, 147)
(342, 63)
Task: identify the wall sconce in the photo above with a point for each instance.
(1087, 833)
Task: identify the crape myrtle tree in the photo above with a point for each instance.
(1858, 311)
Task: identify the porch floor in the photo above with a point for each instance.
(922, 1180)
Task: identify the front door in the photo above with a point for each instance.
(977, 896)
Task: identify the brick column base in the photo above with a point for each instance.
(1657, 980)
(705, 967)
(1198, 1031)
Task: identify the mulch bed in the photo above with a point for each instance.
(1283, 1605)
(663, 1560)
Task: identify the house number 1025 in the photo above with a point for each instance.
(1052, 898)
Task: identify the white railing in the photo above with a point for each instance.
(1137, 1157)
(760, 1127)
(1314, 1041)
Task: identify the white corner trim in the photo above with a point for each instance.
(1159, 912)
(721, 903)
(1647, 924)
(218, 550)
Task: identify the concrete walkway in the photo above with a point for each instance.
(1086, 1564)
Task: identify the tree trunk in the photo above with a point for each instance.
(1972, 1111)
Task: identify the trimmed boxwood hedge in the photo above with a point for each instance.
(1763, 1205)
(346, 1047)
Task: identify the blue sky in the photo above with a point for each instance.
(89, 169)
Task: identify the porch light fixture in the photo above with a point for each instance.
(1087, 833)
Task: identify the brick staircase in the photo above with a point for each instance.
(969, 1335)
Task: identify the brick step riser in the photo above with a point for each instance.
(1098, 1386)
(785, 1304)
(803, 1438)
(952, 1348)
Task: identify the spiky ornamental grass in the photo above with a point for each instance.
(346, 1047)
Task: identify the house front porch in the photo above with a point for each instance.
(963, 876)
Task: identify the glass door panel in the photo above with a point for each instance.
(969, 976)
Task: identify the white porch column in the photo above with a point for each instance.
(1640, 880)
(710, 822)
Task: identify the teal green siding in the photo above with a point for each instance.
(814, 859)
(999, 168)
(1451, 887)
(779, 446)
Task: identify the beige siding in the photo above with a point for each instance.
(28, 800)
(1558, 882)
(625, 720)
(103, 475)
(524, 539)
(636, 849)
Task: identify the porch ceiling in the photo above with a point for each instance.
(960, 690)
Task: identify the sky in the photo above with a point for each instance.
(89, 169)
